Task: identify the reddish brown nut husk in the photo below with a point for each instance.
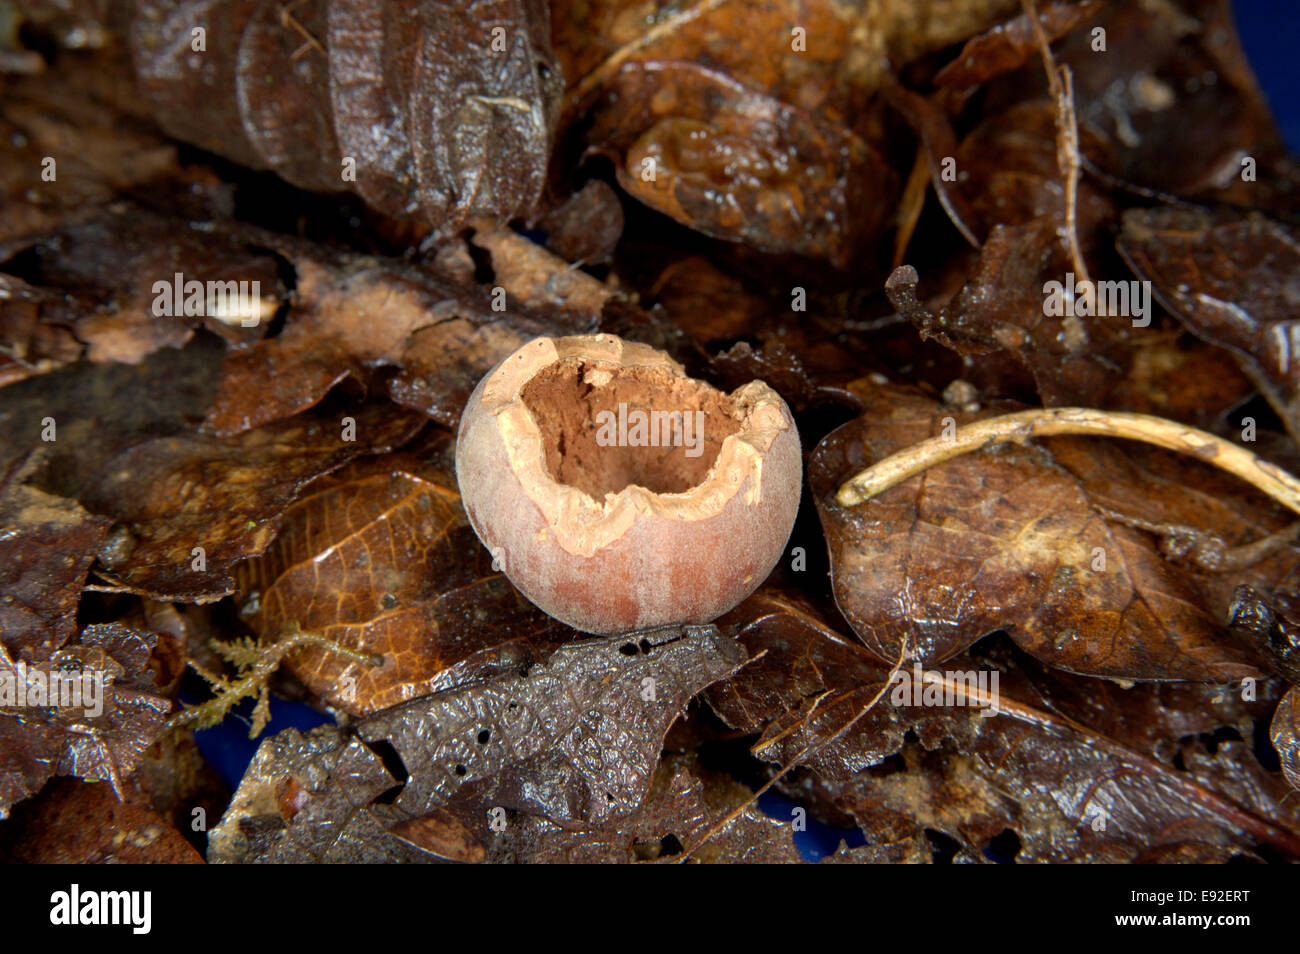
(620, 494)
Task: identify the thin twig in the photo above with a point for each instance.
(1061, 83)
(1204, 549)
(1046, 422)
(289, 22)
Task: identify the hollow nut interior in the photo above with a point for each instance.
(605, 426)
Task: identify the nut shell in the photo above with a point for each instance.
(636, 559)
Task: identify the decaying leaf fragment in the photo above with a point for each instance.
(47, 545)
(735, 164)
(351, 314)
(40, 737)
(1075, 768)
(589, 721)
(570, 745)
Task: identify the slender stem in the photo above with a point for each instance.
(1045, 422)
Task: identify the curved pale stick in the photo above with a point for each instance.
(1045, 422)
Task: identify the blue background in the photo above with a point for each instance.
(1270, 32)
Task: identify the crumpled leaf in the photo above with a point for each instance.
(305, 798)
(441, 111)
(1234, 281)
(381, 558)
(31, 339)
(1076, 768)
(574, 739)
(223, 495)
(683, 804)
(1057, 543)
(847, 53)
(1001, 309)
(112, 262)
(37, 743)
(570, 747)
(1271, 621)
(1008, 45)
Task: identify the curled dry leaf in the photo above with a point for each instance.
(31, 342)
(442, 112)
(381, 558)
(1061, 543)
(38, 742)
(1075, 768)
(194, 506)
(1000, 308)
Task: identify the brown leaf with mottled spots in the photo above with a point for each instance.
(381, 558)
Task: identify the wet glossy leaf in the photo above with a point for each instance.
(223, 496)
(586, 719)
(40, 741)
(1043, 541)
(590, 720)
(381, 558)
(1232, 281)
(1076, 768)
(438, 112)
(46, 548)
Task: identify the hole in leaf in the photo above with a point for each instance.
(395, 767)
(943, 848)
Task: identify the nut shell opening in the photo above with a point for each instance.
(605, 427)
